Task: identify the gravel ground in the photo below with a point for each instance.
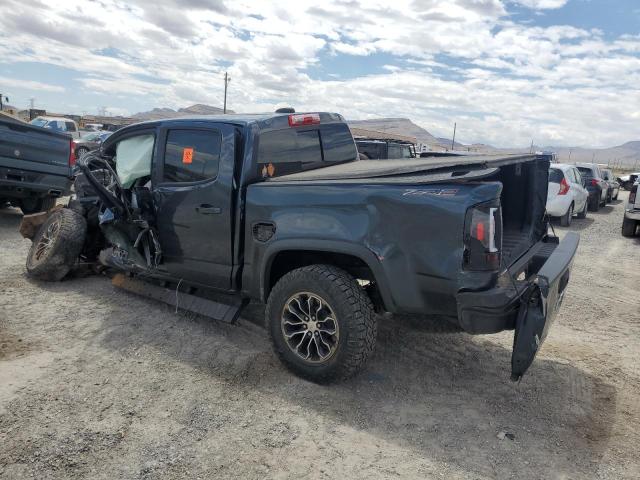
(97, 383)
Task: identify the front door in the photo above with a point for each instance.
(193, 194)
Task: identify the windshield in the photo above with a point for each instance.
(39, 122)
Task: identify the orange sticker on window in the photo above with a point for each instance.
(187, 155)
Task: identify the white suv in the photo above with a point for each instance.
(567, 194)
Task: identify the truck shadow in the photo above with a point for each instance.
(445, 395)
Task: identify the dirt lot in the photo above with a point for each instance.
(96, 383)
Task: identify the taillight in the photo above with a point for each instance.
(632, 194)
(564, 187)
(483, 238)
(72, 153)
(301, 119)
(594, 182)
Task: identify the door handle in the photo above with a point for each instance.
(206, 209)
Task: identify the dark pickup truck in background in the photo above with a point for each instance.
(375, 149)
(35, 166)
(278, 209)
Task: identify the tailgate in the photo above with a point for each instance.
(540, 303)
(27, 147)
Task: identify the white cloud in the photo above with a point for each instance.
(460, 60)
(542, 4)
(8, 82)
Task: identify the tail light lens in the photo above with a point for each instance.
(483, 238)
(632, 194)
(564, 187)
(72, 153)
(594, 182)
(301, 119)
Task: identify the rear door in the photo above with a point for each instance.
(193, 195)
(580, 193)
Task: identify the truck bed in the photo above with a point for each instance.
(369, 169)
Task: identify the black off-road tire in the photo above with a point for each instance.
(56, 246)
(353, 311)
(29, 206)
(629, 227)
(565, 220)
(595, 205)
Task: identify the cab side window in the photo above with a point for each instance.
(70, 126)
(191, 155)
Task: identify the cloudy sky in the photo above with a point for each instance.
(563, 72)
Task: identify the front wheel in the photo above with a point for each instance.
(321, 322)
(629, 227)
(56, 246)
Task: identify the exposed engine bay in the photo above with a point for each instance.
(121, 222)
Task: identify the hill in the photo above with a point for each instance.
(197, 109)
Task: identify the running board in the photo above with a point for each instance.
(184, 301)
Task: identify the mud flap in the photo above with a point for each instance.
(540, 303)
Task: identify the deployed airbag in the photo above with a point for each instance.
(133, 159)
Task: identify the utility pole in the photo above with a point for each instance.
(6, 99)
(531, 147)
(227, 79)
(453, 141)
(32, 102)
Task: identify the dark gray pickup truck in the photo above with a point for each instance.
(35, 166)
(277, 208)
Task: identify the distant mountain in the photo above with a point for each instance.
(404, 126)
(627, 154)
(197, 109)
(400, 126)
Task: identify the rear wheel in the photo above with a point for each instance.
(35, 205)
(629, 227)
(321, 323)
(595, 204)
(56, 246)
(583, 213)
(565, 220)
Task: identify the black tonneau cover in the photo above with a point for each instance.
(362, 169)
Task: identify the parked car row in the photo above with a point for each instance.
(631, 220)
(574, 189)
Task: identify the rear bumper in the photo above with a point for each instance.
(559, 205)
(632, 214)
(24, 183)
(529, 306)
(496, 309)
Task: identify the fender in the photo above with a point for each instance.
(330, 246)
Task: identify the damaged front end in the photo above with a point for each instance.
(121, 221)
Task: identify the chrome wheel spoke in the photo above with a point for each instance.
(309, 327)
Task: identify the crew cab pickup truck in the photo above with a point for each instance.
(35, 166)
(278, 209)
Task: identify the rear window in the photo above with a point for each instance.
(555, 175)
(292, 150)
(586, 172)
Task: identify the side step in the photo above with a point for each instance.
(184, 301)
